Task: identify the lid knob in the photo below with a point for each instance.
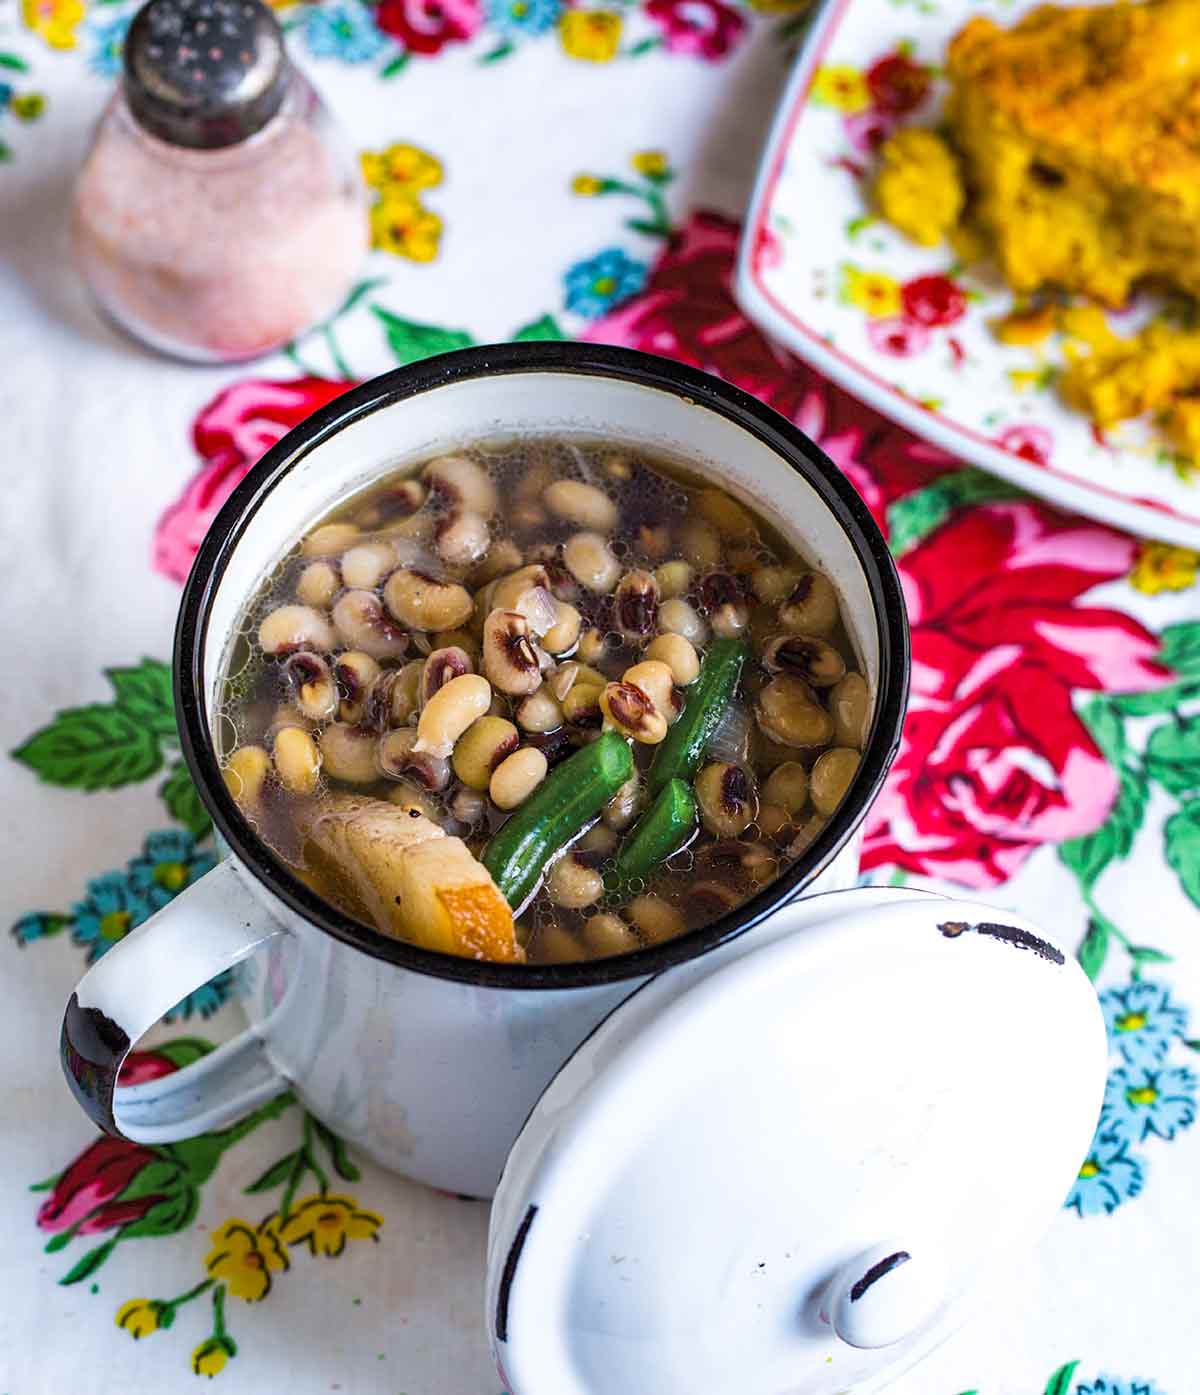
(883, 1295)
(204, 73)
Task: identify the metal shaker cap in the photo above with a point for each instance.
(204, 73)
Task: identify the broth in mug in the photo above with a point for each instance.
(542, 701)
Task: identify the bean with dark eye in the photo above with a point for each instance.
(510, 657)
(636, 605)
(393, 697)
(726, 798)
(440, 667)
(811, 607)
(399, 760)
(707, 901)
(788, 713)
(354, 672)
(818, 663)
(724, 602)
(556, 746)
(310, 680)
(363, 624)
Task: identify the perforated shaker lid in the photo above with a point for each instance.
(784, 1169)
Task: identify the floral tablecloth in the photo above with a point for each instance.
(539, 169)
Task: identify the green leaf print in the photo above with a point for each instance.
(912, 518)
(275, 1175)
(86, 1266)
(1107, 729)
(10, 60)
(1182, 840)
(546, 328)
(92, 748)
(173, 1213)
(183, 1050)
(157, 1178)
(1094, 949)
(1060, 1382)
(1173, 755)
(1181, 647)
(410, 341)
(183, 803)
(145, 693)
(1160, 700)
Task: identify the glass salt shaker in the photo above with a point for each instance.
(218, 213)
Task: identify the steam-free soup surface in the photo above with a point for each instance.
(541, 701)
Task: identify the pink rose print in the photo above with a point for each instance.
(1032, 443)
(897, 85)
(896, 337)
(868, 129)
(704, 28)
(994, 761)
(230, 434)
(427, 26)
(934, 301)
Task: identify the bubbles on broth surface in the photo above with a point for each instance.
(655, 500)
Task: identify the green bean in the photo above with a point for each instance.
(680, 754)
(661, 831)
(571, 795)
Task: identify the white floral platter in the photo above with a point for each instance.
(903, 327)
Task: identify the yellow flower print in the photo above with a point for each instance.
(243, 1257)
(139, 1317)
(55, 20)
(841, 87)
(28, 106)
(652, 163)
(587, 185)
(210, 1357)
(592, 35)
(327, 1222)
(781, 7)
(402, 225)
(401, 166)
(872, 291)
(1161, 567)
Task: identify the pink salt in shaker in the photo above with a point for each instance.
(218, 213)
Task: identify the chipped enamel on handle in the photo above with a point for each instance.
(208, 928)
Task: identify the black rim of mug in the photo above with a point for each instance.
(590, 360)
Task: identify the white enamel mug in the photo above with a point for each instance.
(428, 1063)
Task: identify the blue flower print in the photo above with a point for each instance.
(1108, 1177)
(1110, 1385)
(169, 862)
(112, 908)
(595, 285)
(1140, 1101)
(215, 994)
(520, 17)
(1142, 1021)
(108, 43)
(345, 30)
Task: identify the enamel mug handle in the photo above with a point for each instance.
(206, 929)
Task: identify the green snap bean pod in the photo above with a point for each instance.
(662, 830)
(571, 795)
(679, 755)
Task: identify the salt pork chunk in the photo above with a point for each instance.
(415, 881)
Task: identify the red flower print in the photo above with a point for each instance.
(706, 28)
(1032, 443)
(427, 26)
(140, 1066)
(897, 337)
(933, 301)
(994, 761)
(230, 434)
(868, 129)
(85, 1196)
(897, 85)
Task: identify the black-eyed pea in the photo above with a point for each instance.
(811, 606)
(726, 515)
(451, 711)
(311, 683)
(774, 821)
(678, 617)
(726, 798)
(508, 589)
(461, 538)
(656, 680)
(573, 882)
(481, 748)
(606, 934)
(633, 713)
(363, 624)
(656, 920)
(456, 639)
(787, 785)
(516, 778)
(679, 655)
(330, 539)
(400, 500)
(814, 660)
(636, 605)
(440, 668)
(297, 760)
(318, 584)
(581, 504)
(527, 516)
(563, 635)
(774, 583)
(704, 902)
(831, 777)
(510, 656)
(700, 543)
(581, 706)
(245, 772)
(621, 810)
(788, 713)
(393, 697)
(724, 604)
(366, 564)
(591, 645)
(539, 711)
(408, 795)
(424, 602)
(400, 759)
(291, 627)
(590, 561)
(348, 754)
(354, 672)
(554, 945)
(674, 579)
(458, 482)
(850, 703)
(502, 557)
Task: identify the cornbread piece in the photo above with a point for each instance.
(1080, 133)
(1123, 378)
(918, 189)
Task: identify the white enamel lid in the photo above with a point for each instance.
(783, 1169)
